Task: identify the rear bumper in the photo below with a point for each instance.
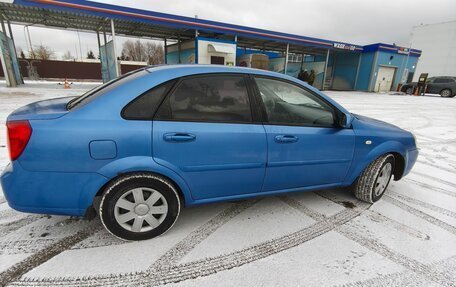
(60, 193)
(411, 157)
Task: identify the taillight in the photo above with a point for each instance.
(19, 133)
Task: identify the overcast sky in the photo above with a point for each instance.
(354, 21)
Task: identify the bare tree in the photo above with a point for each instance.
(67, 56)
(149, 52)
(155, 53)
(132, 50)
(42, 52)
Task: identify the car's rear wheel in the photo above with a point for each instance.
(446, 93)
(372, 183)
(409, 90)
(139, 206)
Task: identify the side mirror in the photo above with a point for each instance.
(342, 121)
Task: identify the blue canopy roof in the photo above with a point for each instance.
(88, 15)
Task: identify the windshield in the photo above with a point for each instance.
(104, 88)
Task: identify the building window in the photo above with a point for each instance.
(294, 58)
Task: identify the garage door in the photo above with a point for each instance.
(385, 78)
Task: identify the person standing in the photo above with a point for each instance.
(301, 75)
(311, 77)
(305, 76)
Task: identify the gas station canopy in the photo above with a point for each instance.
(94, 16)
(337, 65)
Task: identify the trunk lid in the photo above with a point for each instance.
(42, 110)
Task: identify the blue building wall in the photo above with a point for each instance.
(364, 73)
(397, 61)
(187, 56)
(347, 70)
(271, 55)
(344, 68)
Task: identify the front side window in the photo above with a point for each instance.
(217, 98)
(287, 103)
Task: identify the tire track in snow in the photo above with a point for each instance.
(10, 227)
(182, 248)
(40, 236)
(436, 157)
(431, 219)
(208, 266)
(399, 279)
(378, 217)
(302, 208)
(437, 166)
(430, 187)
(407, 278)
(422, 204)
(22, 267)
(372, 215)
(163, 274)
(435, 179)
(21, 246)
(350, 231)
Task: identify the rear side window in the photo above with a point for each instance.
(144, 106)
(208, 98)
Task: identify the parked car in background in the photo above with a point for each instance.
(143, 146)
(444, 86)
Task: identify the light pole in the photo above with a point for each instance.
(27, 33)
(404, 75)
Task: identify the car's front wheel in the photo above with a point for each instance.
(139, 206)
(446, 93)
(372, 183)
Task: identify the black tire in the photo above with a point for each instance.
(409, 90)
(122, 185)
(446, 93)
(365, 186)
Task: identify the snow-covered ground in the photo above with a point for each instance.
(323, 238)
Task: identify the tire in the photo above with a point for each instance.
(409, 90)
(374, 180)
(446, 93)
(139, 206)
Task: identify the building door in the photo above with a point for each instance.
(216, 60)
(385, 77)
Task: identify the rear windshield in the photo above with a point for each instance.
(104, 88)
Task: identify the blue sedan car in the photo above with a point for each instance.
(141, 147)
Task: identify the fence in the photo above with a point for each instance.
(51, 69)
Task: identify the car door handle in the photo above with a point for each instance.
(286, 139)
(179, 137)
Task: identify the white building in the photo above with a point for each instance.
(438, 45)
